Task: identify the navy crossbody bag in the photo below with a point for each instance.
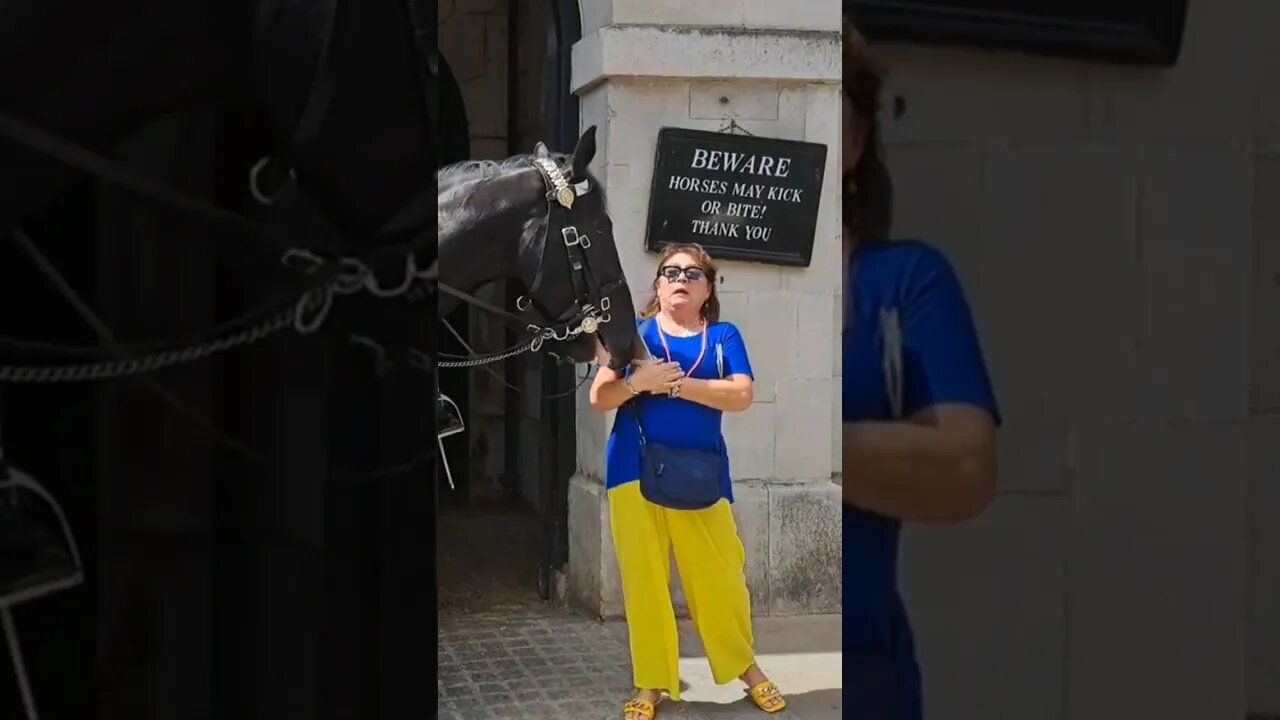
(678, 478)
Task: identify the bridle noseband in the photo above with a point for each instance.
(590, 307)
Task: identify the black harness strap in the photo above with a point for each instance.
(120, 174)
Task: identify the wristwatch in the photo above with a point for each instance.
(630, 388)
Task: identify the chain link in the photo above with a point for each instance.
(111, 369)
(477, 362)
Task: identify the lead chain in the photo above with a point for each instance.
(111, 369)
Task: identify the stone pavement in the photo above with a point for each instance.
(552, 665)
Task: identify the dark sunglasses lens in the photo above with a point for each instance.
(673, 273)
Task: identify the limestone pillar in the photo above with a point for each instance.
(774, 68)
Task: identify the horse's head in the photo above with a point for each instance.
(570, 265)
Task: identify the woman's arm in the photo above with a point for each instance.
(608, 391)
(732, 394)
(940, 466)
(609, 388)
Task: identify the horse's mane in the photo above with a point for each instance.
(469, 170)
(474, 170)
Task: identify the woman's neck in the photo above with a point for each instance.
(690, 322)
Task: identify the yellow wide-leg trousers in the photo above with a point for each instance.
(710, 558)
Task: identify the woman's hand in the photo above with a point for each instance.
(656, 376)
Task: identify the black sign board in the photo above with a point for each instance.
(741, 197)
(1142, 31)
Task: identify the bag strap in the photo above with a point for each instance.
(891, 341)
(635, 401)
(891, 348)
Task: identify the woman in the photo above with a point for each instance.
(701, 371)
(933, 460)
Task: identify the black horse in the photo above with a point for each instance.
(346, 93)
(540, 219)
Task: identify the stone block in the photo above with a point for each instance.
(1157, 596)
(1036, 457)
(815, 343)
(803, 14)
(937, 190)
(803, 434)
(712, 99)
(837, 435)
(733, 308)
(952, 95)
(1264, 563)
(837, 331)
(648, 51)
(751, 514)
(749, 437)
(1058, 210)
(595, 15)
(769, 331)
(987, 604)
(748, 277)
(593, 430)
(804, 549)
(636, 111)
(593, 582)
(1265, 336)
(1207, 98)
(678, 12)
(794, 99)
(462, 44)
(1196, 244)
(616, 179)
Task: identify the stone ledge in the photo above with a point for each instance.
(674, 53)
(791, 534)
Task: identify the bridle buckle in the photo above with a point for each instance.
(573, 237)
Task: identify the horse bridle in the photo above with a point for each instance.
(590, 307)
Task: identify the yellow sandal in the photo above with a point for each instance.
(643, 708)
(764, 693)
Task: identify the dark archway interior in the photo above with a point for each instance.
(454, 145)
(504, 534)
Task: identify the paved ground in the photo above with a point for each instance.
(558, 666)
(505, 654)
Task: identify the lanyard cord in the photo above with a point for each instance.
(663, 337)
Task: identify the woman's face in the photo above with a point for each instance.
(853, 137)
(682, 284)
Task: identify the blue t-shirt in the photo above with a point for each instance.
(675, 421)
(942, 362)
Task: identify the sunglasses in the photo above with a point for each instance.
(673, 272)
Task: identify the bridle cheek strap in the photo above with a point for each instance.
(591, 299)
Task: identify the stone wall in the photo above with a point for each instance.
(645, 64)
(1112, 227)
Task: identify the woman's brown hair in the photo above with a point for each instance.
(867, 195)
(711, 308)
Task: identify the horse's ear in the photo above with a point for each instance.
(584, 152)
(540, 150)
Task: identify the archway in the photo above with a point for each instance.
(503, 531)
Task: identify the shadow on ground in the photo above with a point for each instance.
(812, 705)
